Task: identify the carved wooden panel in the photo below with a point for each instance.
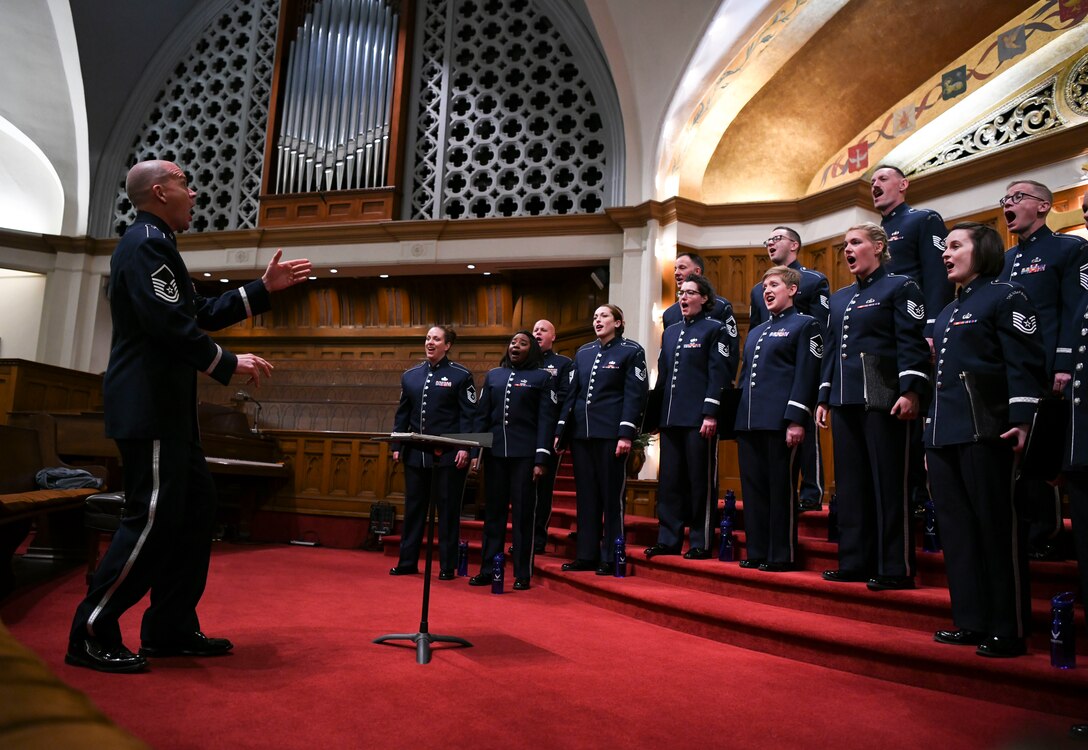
(32, 386)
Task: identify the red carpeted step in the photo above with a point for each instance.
(898, 654)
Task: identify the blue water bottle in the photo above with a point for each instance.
(1063, 631)
(498, 571)
(730, 510)
(462, 558)
(620, 558)
(725, 546)
(833, 519)
(931, 536)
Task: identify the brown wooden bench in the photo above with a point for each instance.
(25, 452)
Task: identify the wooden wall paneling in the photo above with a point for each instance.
(32, 386)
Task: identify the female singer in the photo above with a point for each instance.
(875, 375)
(518, 407)
(991, 372)
(603, 410)
(778, 392)
(451, 408)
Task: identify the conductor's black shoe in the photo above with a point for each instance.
(1001, 647)
(521, 584)
(480, 579)
(845, 576)
(404, 570)
(890, 583)
(606, 569)
(772, 567)
(959, 637)
(697, 553)
(751, 563)
(660, 549)
(194, 644)
(91, 654)
(1079, 732)
(446, 575)
(807, 505)
(574, 565)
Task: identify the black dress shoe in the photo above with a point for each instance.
(845, 576)
(574, 565)
(196, 644)
(751, 563)
(890, 583)
(771, 567)
(510, 551)
(959, 637)
(446, 575)
(1001, 647)
(1044, 552)
(539, 549)
(480, 579)
(1079, 732)
(804, 506)
(697, 553)
(606, 569)
(404, 570)
(521, 584)
(660, 549)
(91, 654)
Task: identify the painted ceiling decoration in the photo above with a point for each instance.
(815, 98)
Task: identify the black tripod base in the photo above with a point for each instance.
(423, 642)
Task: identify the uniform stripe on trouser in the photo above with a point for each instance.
(908, 517)
(711, 502)
(151, 507)
(1015, 547)
(795, 452)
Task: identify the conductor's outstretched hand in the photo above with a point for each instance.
(282, 275)
(254, 367)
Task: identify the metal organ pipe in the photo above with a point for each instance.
(337, 102)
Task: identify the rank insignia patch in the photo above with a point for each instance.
(916, 310)
(165, 285)
(1024, 323)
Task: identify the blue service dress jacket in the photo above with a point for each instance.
(434, 400)
(881, 315)
(158, 342)
(698, 360)
(519, 408)
(916, 243)
(989, 349)
(1053, 270)
(781, 374)
(607, 391)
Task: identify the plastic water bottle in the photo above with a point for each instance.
(931, 536)
(725, 546)
(1063, 631)
(462, 558)
(730, 510)
(620, 558)
(833, 519)
(498, 571)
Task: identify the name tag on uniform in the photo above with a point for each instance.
(778, 334)
(444, 383)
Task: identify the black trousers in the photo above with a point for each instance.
(545, 486)
(983, 540)
(163, 545)
(768, 481)
(509, 483)
(600, 479)
(417, 498)
(871, 458)
(687, 491)
(1076, 482)
(1040, 505)
(812, 465)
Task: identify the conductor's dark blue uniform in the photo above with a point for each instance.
(150, 398)
(434, 400)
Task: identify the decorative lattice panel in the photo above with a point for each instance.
(210, 118)
(505, 122)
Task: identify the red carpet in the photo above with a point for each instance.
(545, 671)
